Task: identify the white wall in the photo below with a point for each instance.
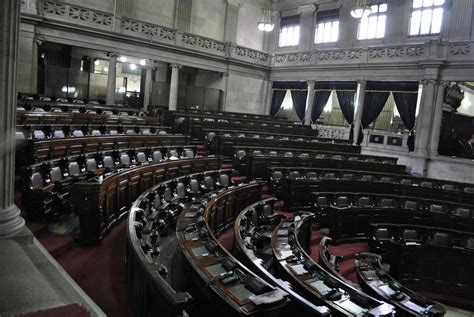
(247, 33)
(245, 94)
(208, 18)
(160, 12)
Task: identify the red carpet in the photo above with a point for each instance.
(100, 271)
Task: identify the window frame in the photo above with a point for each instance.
(421, 9)
(288, 22)
(378, 15)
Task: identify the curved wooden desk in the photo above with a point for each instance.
(290, 240)
(379, 283)
(252, 243)
(102, 200)
(155, 288)
(216, 275)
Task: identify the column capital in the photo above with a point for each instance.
(174, 65)
(112, 54)
(429, 81)
(311, 82)
(362, 81)
(307, 8)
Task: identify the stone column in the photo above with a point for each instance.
(111, 79)
(34, 65)
(11, 222)
(268, 98)
(423, 126)
(306, 26)
(147, 87)
(359, 110)
(173, 101)
(309, 103)
(437, 117)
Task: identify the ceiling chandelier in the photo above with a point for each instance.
(361, 10)
(266, 24)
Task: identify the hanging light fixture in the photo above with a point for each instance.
(266, 24)
(361, 10)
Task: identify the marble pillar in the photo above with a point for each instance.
(11, 222)
(309, 103)
(111, 79)
(268, 98)
(359, 110)
(173, 101)
(437, 118)
(147, 87)
(423, 126)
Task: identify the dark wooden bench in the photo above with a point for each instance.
(45, 185)
(426, 258)
(348, 215)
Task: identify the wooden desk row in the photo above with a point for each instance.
(31, 117)
(224, 143)
(38, 151)
(259, 166)
(102, 200)
(448, 188)
(297, 192)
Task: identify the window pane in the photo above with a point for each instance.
(372, 27)
(363, 28)
(335, 31)
(327, 32)
(427, 3)
(381, 26)
(296, 35)
(283, 35)
(415, 23)
(426, 21)
(417, 3)
(383, 7)
(438, 2)
(437, 20)
(374, 8)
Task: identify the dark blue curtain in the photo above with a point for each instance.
(346, 102)
(277, 100)
(320, 100)
(373, 105)
(299, 102)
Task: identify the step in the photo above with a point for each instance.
(74, 310)
(56, 244)
(38, 229)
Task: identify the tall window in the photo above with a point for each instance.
(289, 31)
(327, 27)
(426, 17)
(373, 26)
